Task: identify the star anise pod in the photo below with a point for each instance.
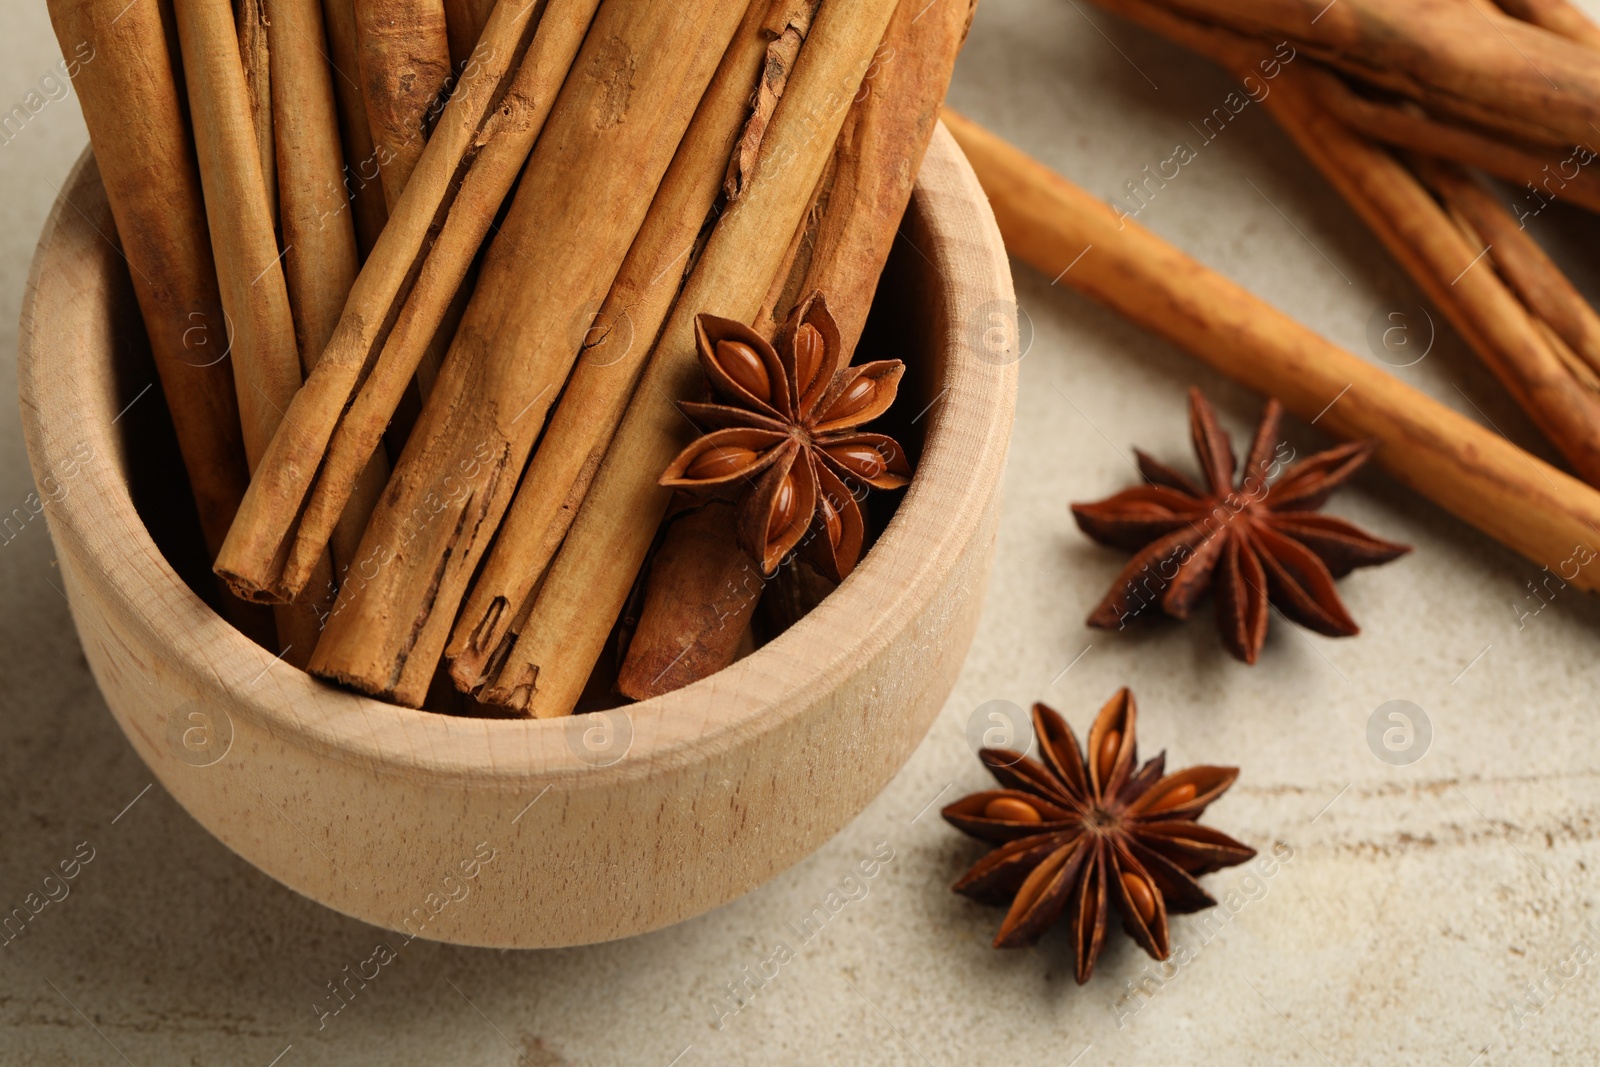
(1075, 831)
(785, 437)
(1258, 543)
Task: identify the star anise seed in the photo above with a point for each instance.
(1073, 832)
(1256, 543)
(784, 436)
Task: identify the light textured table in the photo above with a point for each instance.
(1429, 912)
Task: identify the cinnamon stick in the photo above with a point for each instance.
(253, 558)
(1562, 174)
(1468, 470)
(1486, 68)
(1432, 248)
(250, 279)
(614, 354)
(403, 51)
(1530, 273)
(689, 625)
(464, 21)
(361, 182)
(1557, 16)
(585, 191)
(319, 240)
(876, 161)
(501, 146)
(120, 66)
(1434, 252)
(250, 18)
(590, 577)
(786, 23)
(699, 597)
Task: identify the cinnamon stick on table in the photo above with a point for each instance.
(120, 66)
(1470, 471)
(403, 50)
(1450, 269)
(1530, 273)
(1403, 125)
(582, 198)
(1483, 68)
(848, 235)
(602, 382)
(255, 298)
(1442, 258)
(253, 558)
(591, 576)
(1557, 16)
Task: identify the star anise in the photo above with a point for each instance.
(1074, 831)
(1258, 543)
(785, 437)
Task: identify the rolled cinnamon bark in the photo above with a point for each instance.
(786, 23)
(501, 147)
(118, 59)
(1551, 173)
(253, 558)
(1446, 266)
(699, 597)
(1487, 68)
(1470, 471)
(250, 19)
(1418, 233)
(464, 21)
(590, 577)
(319, 240)
(1557, 16)
(602, 382)
(875, 164)
(1531, 274)
(583, 195)
(361, 183)
(266, 360)
(255, 297)
(403, 50)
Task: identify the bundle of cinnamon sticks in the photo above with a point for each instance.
(1407, 107)
(420, 279)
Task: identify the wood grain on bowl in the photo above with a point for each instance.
(520, 833)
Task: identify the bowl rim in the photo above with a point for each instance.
(962, 460)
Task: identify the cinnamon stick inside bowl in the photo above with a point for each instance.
(603, 380)
(403, 50)
(121, 68)
(250, 277)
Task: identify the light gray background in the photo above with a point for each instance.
(1429, 914)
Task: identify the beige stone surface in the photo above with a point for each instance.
(1440, 912)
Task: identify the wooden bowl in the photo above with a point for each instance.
(516, 833)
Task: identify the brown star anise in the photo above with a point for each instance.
(1258, 543)
(1074, 830)
(785, 436)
